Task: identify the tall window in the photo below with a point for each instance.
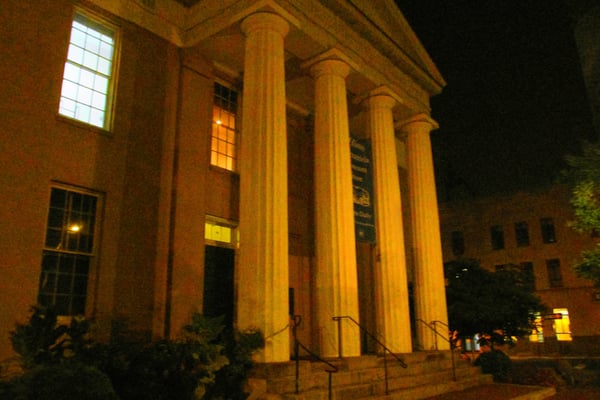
(554, 274)
(223, 148)
(497, 237)
(88, 75)
(522, 234)
(458, 243)
(548, 234)
(68, 251)
(527, 275)
(562, 326)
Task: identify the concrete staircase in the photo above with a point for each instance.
(428, 374)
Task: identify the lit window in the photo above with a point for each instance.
(87, 79)
(522, 234)
(562, 326)
(548, 234)
(223, 152)
(68, 251)
(554, 274)
(222, 232)
(497, 236)
(537, 332)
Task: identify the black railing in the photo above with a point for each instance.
(338, 319)
(330, 369)
(446, 337)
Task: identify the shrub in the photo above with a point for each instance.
(61, 362)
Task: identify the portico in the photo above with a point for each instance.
(319, 73)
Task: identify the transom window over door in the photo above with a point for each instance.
(68, 251)
(223, 147)
(88, 75)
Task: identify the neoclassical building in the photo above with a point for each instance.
(257, 159)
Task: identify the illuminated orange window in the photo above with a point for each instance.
(223, 148)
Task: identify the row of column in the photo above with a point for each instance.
(263, 258)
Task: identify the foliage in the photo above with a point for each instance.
(496, 363)
(54, 356)
(42, 341)
(484, 302)
(584, 177)
(239, 348)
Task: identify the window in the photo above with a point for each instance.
(527, 275)
(548, 235)
(537, 332)
(223, 140)
(522, 234)
(554, 274)
(562, 326)
(68, 251)
(458, 243)
(497, 236)
(88, 74)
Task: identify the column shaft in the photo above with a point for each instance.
(336, 286)
(391, 286)
(429, 289)
(262, 273)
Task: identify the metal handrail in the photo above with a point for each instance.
(364, 330)
(297, 344)
(433, 327)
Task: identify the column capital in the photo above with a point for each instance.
(332, 62)
(381, 96)
(418, 119)
(265, 20)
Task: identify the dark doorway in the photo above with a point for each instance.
(218, 283)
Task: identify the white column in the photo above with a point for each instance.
(391, 283)
(429, 285)
(262, 268)
(336, 286)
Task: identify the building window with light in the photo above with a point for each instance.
(223, 147)
(547, 227)
(554, 273)
(69, 250)
(88, 77)
(497, 237)
(522, 234)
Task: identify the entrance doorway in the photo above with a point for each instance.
(218, 283)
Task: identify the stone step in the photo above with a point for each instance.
(428, 374)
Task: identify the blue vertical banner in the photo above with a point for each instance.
(362, 184)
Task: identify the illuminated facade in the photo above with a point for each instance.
(529, 230)
(160, 159)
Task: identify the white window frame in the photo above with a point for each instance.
(68, 228)
(222, 157)
(88, 83)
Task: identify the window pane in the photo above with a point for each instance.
(522, 233)
(89, 66)
(497, 237)
(223, 133)
(547, 226)
(68, 251)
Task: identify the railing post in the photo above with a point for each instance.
(340, 342)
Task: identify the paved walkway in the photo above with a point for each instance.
(498, 391)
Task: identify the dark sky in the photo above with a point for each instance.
(514, 103)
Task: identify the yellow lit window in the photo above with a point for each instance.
(223, 151)
(562, 327)
(88, 74)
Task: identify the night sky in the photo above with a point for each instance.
(514, 104)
